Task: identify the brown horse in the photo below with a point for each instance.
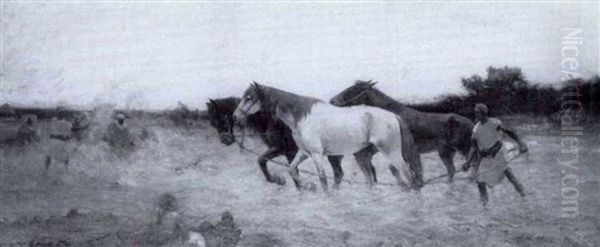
(445, 133)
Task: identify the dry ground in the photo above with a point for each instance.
(112, 198)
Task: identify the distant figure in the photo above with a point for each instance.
(80, 124)
(118, 135)
(59, 147)
(488, 154)
(27, 133)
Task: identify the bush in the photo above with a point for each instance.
(183, 116)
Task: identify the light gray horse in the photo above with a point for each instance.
(320, 129)
(445, 133)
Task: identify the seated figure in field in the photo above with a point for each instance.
(81, 125)
(118, 134)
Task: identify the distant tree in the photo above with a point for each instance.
(503, 90)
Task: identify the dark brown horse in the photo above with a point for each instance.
(445, 133)
(274, 133)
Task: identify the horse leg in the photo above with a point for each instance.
(318, 160)
(363, 159)
(417, 170)
(47, 163)
(338, 174)
(409, 154)
(300, 156)
(373, 172)
(264, 158)
(372, 150)
(447, 156)
(393, 157)
(483, 193)
(66, 163)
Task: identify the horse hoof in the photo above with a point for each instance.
(404, 187)
(276, 179)
(310, 186)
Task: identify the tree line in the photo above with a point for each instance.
(506, 91)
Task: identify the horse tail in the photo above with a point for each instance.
(410, 153)
(459, 131)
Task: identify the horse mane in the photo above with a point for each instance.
(286, 102)
(226, 105)
(389, 101)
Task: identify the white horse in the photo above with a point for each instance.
(320, 129)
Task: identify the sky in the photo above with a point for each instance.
(152, 54)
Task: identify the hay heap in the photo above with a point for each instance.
(168, 227)
(27, 133)
(223, 234)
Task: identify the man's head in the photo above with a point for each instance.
(481, 111)
(120, 118)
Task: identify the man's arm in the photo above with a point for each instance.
(510, 133)
(472, 156)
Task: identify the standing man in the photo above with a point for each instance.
(488, 154)
(59, 148)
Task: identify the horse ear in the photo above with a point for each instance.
(257, 88)
(373, 83)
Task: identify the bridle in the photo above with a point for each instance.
(344, 102)
(245, 111)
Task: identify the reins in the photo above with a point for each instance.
(448, 174)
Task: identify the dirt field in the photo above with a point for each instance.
(104, 200)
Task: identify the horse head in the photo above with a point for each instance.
(222, 120)
(250, 103)
(356, 94)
